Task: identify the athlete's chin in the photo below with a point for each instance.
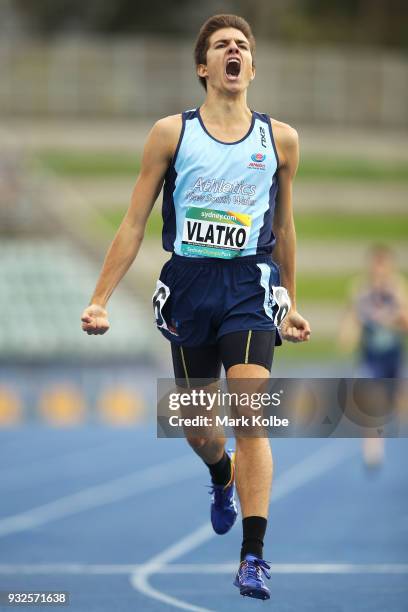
(235, 87)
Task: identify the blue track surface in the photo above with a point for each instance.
(90, 504)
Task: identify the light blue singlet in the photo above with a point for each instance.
(219, 198)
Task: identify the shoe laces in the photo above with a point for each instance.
(218, 493)
(255, 568)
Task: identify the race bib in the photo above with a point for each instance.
(215, 233)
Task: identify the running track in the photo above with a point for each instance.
(119, 519)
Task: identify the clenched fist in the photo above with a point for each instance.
(95, 320)
(295, 328)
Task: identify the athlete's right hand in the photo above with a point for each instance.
(95, 320)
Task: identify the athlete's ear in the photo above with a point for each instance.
(202, 71)
(253, 73)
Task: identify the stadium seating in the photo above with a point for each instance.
(46, 284)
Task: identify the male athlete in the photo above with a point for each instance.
(227, 175)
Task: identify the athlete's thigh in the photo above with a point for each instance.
(196, 366)
(198, 369)
(248, 353)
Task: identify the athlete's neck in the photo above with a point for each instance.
(224, 111)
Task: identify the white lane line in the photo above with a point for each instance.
(290, 568)
(203, 568)
(310, 468)
(140, 579)
(340, 568)
(133, 484)
(319, 462)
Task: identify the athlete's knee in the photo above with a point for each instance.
(197, 442)
(252, 442)
(211, 445)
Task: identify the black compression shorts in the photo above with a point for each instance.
(204, 362)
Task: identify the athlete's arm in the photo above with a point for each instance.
(158, 152)
(402, 297)
(396, 321)
(350, 328)
(294, 327)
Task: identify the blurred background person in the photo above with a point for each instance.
(375, 324)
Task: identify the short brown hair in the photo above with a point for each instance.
(381, 250)
(217, 22)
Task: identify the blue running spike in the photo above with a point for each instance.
(224, 509)
(249, 578)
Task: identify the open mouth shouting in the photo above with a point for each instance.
(233, 68)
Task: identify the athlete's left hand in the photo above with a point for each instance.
(295, 328)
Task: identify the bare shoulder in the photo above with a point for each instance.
(287, 145)
(164, 135)
(285, 135)
(168, 127)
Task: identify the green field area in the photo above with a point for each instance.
(316, 349)
(352, 227)
(90, 164)
(324, 350)
(340, 168)
(324, 288)
(111, 164)
(314, 226)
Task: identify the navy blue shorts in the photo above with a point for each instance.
(382, 365)
(199, 300)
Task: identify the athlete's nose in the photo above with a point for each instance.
(233, 48)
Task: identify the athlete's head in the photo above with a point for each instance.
(224, 53)
(381, 263)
